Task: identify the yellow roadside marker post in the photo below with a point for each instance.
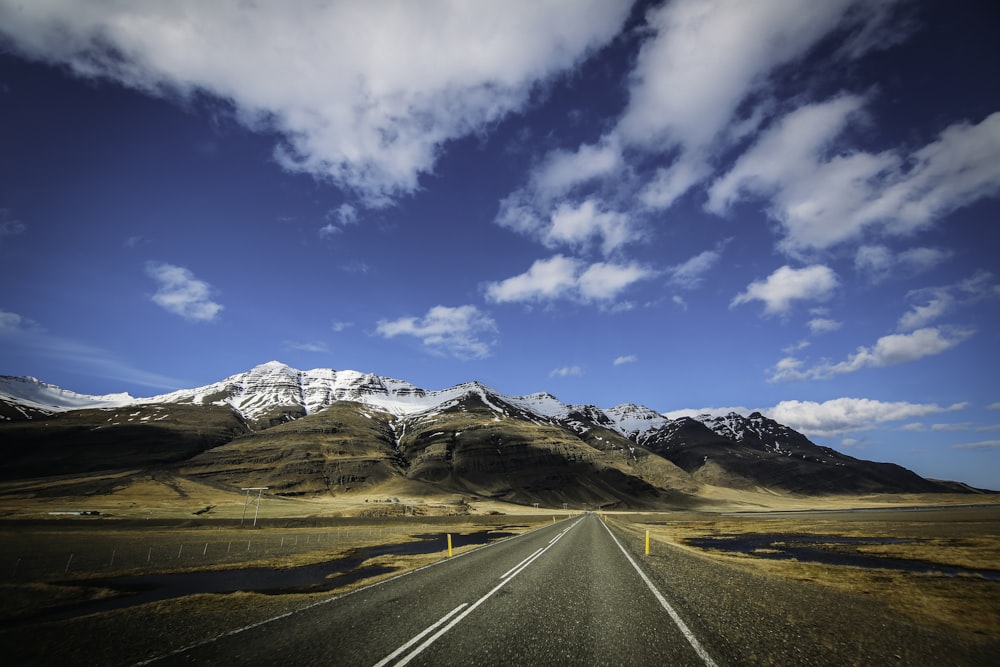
(449, 545)
(647, 542)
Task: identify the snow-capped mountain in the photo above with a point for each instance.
(756, 431)
(29, 396)
(257, 393)
(325, 429)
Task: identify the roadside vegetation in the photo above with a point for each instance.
(967, 604)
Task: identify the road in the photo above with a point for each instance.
(564, 594)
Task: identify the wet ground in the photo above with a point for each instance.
(315, 578)
(828, 550)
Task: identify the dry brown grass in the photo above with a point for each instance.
(37, 558)
(968, 538)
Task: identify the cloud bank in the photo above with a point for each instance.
(362, 94)
(833, 417)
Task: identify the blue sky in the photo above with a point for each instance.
(787, 206)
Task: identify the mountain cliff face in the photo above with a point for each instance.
(327, 431)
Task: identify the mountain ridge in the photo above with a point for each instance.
(328, 431)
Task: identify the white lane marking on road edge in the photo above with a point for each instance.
(332, 598)
(681, 625)
(507, 573)
(391, 656)
(458, 619)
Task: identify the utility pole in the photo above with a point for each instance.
(260, 492)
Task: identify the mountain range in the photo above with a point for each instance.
(322, 431)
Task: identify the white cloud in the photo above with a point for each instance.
(181, 293)
(689, 274)
(134, 241)
(958, 168)
(562, 170)
(820, 325)
(982, 444)
(625, 359)
(923, 314)
(311, 346)
(901, 348)
(679, 301)
(993, 406)
(603, 281)
(463, 332)
(9, 226)
(792, 348)
(712, 412)
(364, 94)
(670, 183)
(781, 153)
(10, 321)
(701, 83)
(919, 260)
(877, 262)
(339, 327)
(887, 351)
(823, 195)
(566, 371)
(934, 302)
(338, 218)
(845, 415)
(962, 426)
(565, 277)
(719, 54)
(788, 368)
(874, 261)
(546, 279)
(787, 285)
(577, 226)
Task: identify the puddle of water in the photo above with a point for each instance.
(828, 550)
(315, 578)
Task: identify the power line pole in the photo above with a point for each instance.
(260, 492)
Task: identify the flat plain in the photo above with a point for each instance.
(62, 574)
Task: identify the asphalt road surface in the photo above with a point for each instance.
(564, 594)
(581, 592)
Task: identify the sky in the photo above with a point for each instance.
(779, 205)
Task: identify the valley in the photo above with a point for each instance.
(130, 519)
(745, 609)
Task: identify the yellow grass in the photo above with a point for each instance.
(960, 537)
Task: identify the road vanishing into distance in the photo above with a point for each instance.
(565, 594)
(580, 592)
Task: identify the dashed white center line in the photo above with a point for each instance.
(507, 577)
(428, 630)
(513, 569)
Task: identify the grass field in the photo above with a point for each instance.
(51, 563)
(962, 537)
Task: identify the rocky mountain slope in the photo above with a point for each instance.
(326, 431)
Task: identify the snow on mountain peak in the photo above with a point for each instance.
(258, 392)
(39, 395)
(633, 420)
